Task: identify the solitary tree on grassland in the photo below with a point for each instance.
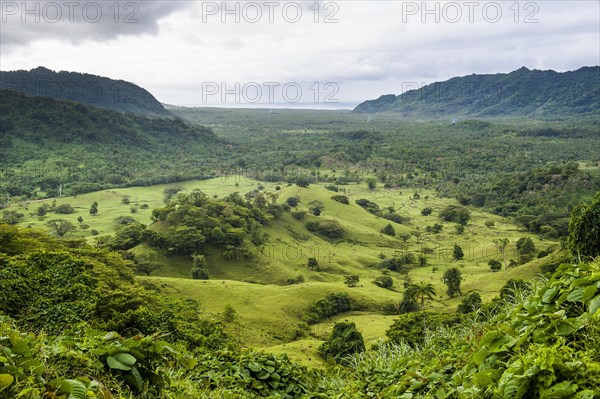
(352, 280)
(495, 265)
(94, 209)
(500, 244)
(452, 279)
(313, 264)
(420, 292)
(61, 227)
(457, 253)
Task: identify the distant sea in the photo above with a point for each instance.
(312, 105)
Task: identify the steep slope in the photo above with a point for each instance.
(522, 92)
(98, 91)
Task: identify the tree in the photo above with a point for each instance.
(94, 208)
(42, 210)
(389, 230)
(146, 265)
(80, 219)
(170, 192)
(384, 282)
(229, 314)
(455, 213)
(371, 184)
(61, 227)
(345, 340)
(292, 201)
(525, 246)
(470, 303)
(303, 181)
(64, 209)
(452, 279)
(584, 230)
(495, 265)
(313, 264)
(199, 268)
(457, 253)
(500, 244)
(420, 292)
(426, 211)
(12, 217)
(352, 280)
(316, 207)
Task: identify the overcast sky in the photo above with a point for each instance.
(194, 53)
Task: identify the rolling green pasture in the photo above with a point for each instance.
(270, 312)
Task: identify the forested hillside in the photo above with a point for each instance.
(50, 143)
(100, 334)
(98, 91)
(522, 92)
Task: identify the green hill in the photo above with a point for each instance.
(271, 309)
(522, 92)
(47, 143)
(117, 95)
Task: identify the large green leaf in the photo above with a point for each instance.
(595, 304)
(549, 295)
(5, 381)
(75, 389)
(121, 361)
(558, 391)
(135, 379)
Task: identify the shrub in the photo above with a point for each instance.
(368, 205)
(332, 187)
(525, 246)
(584, 230)
(470, 303)
(413, 327)
(229, 314)
(384, 282)
(495, 265)
(312, 226)
(329, 306)
(330, 229)
(389, 230)
(394, 217)
(292, 201)
(345, 340)
(313, 264)
(300, 215)
(64, 209)
(352, 280)
(12, 217)
(343, 199)
(455, 213)
(299, 279)
(426, 211)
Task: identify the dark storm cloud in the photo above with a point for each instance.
(78, 21)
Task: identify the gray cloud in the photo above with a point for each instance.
(370, 49)
(24, 22)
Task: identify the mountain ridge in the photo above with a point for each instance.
(522, 92)
(84, 88)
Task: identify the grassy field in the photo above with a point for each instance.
(270, 312)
